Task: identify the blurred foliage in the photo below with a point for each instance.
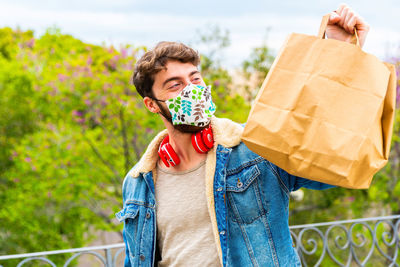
(229, 102)
(256, 68)
(72, 125)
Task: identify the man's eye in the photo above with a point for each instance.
(196, 80)
(175, 85)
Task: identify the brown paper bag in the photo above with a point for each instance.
(325, 111)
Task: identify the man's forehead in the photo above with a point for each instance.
(175, 66)
(175, 71)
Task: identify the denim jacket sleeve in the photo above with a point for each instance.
(294, 183)
(127, 262)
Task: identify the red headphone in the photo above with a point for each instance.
(202, 142)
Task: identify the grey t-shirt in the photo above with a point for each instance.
(184, 231)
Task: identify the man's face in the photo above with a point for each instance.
(168, 83)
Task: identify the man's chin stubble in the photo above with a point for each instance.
(183, 128)
(189, 128)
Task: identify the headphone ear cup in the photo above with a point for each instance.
(171, 155)
(161, 153)
(167, 153)
(198, 143)
(207, 137)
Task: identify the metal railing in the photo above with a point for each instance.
(373, 241)
(108, 260)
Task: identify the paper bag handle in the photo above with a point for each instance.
(324, 24)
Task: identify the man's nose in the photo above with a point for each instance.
(183, 86)
(186, 82)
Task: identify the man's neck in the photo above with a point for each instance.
(182, 145)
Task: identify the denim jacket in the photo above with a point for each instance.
(247, 198)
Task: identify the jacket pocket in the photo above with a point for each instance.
(243, 193)
(129, 215)
(130, 211)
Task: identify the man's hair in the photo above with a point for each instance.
(155, 60)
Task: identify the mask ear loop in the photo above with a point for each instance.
(158, 99)
(168, 118)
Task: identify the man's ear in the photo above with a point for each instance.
(151, 105)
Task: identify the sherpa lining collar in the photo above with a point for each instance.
(226, 133)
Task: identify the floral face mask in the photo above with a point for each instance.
(193, 106)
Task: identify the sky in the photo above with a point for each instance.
(147, 22)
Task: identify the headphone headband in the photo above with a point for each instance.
(202, 142)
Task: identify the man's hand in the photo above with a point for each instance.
(342, 23)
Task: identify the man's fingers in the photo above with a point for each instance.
(343, 16)
(334, 18)
(347, 21)
(361, 25)
(348, 18)
(351, 23)
(362, 29)
(340, 9)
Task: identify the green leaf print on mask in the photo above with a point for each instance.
(199, 93)
(176, 104)
(194, 94)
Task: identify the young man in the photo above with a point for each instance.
(199, 196)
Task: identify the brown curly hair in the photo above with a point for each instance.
(155, 60)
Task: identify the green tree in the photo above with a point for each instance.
(71, 127)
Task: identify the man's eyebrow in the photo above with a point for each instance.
(194, 72)
(177, 77)
(169, 79)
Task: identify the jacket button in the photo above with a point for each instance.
(239, 183)
(148, 215)
(142, 257)
(222, 232)
(219, 189)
